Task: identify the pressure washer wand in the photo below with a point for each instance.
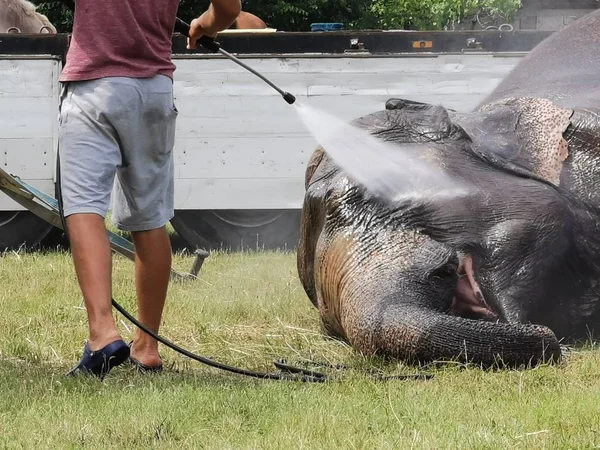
(212, 45)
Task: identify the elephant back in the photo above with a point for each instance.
(562, 68)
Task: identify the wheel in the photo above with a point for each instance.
(21, 228)
(237, 230)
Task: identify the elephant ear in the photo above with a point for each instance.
(402, 103)
(521, 134)
(312, 165)
(407, 121)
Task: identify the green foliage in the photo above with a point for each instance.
(297, 15)
(58, 14)
(440, 14)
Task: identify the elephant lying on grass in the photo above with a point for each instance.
(502, 274)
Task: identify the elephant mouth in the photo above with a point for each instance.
(468, 301)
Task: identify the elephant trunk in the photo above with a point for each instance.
(420, 334)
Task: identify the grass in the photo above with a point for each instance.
(247, 310)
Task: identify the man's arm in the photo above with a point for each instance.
(218, 17)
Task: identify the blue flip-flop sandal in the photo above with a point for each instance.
(100, 362)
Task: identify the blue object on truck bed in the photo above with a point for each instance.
(328, 26)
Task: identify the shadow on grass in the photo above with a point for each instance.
(14, 373)
(183, 371)
(57, 241)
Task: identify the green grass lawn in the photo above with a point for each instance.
(248, 310)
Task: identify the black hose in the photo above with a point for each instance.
(314, 376)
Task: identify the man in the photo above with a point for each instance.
(117, 118)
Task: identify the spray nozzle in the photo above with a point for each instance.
(289, 97)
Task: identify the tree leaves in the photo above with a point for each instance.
(58, 14)
(442, 14)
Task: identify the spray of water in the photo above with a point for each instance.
(389, 171)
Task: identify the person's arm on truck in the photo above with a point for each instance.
(218, 17)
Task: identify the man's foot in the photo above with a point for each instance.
(102, 361)
(145, 361)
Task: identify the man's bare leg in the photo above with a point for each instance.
(152, 271)
(91, 252)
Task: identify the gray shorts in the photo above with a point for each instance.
(123, 127)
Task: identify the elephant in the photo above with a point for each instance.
(502, 275)
(21, 16)
(248, 21)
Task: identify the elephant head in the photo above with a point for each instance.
(493, 276)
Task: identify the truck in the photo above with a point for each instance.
(241, 151)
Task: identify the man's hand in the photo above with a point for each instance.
(218, 17)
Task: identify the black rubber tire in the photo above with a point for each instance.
(236, 230)
(22, 229)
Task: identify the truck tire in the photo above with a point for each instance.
(236, 230)
(21, 229)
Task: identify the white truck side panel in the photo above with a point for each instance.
(29, 94)
(239, 144)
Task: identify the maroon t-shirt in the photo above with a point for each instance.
(125, 38)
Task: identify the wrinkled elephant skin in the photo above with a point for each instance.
(499, 276)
